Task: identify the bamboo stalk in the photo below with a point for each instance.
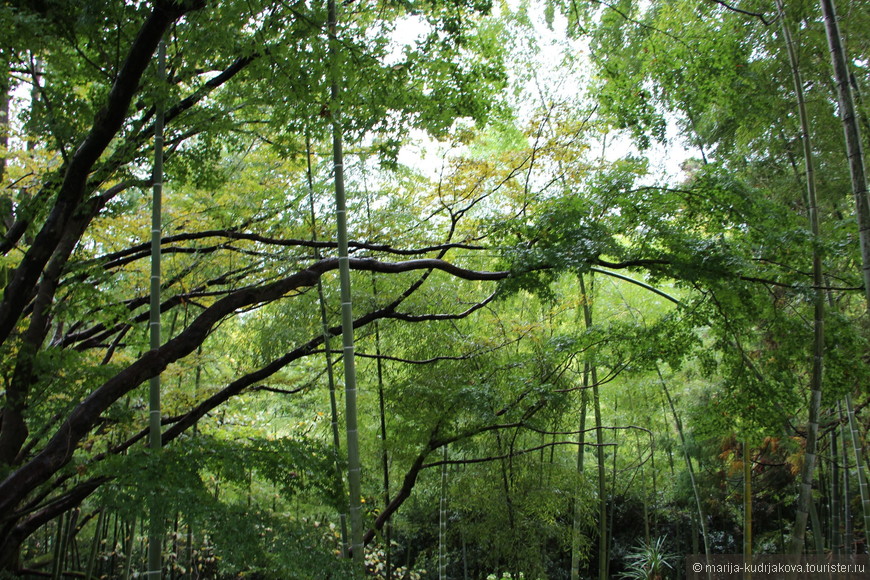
(847, 508)
(57, 556)
(747, 504)
(353, 455)
(442, 521)
(805, 499)
(858, 449)
(852, 135)
(330, 367)
(679, 425)
(129, 535)
(95, 545)
(599, 450)
(155, 527)
(581, 446)
(836, 532)
(385, 458)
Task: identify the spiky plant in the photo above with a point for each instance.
(649, 561)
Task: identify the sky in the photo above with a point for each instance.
(548, 66)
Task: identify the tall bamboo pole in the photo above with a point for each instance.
(330, 373)
(382, 411)
(581, 446)
(847, 494)
(852, 135)
(805, 499)
(679, 425)
(603, 558)
(155, 533)
(95, 545)
(442, 521)
(836, 533)
(353, 459)
(859, 464)
(385, 458)
(747, 504)
(6, 209)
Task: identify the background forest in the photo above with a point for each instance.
(598, 299)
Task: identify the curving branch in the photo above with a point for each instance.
(512, 454)
(72, 184)
(59, 449)
(758, 15)
(140, 251)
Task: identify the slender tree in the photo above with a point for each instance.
(818, 345)
(852, 134)
(353, 454)
(155, 533)
(836, 526)
(747, 503)
(327, 353)
(858, 450)
(848, 544)
(603, 553)
(6, 214)
(382, 415)
(581, 446)
(442, 519)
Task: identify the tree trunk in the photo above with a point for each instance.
(852, 135)
(6, 207)
(836, 532)
(806, 489)
(330, 371)
(442, 521)
(129, 542)
(353, 456)
(679, 425)
(581, 446)
(599, 450)
(385, 458)
(859, 466)
(645, 495)
(747, 504)
(95, 545)
(847, 508)
(155, 526)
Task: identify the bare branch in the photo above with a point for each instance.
(758, 15)
(512, 454)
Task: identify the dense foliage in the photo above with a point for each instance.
(596, 325)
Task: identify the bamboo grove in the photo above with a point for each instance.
(431, 289)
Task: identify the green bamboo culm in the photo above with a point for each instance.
(702, 518)
(155, 530)
(385, 458)
(579, 481)
(858, 450)
(805, 499)
(603, 552)
(857, 172)
(852, 135)
(747, 505)
(327, 350)
(353, 460)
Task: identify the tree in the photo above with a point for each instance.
(72, 301)
(469, 316)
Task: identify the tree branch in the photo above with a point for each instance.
(71, 186)
(59, 449)
(758, 15)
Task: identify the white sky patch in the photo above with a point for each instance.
(408, 31)
(19, 102)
